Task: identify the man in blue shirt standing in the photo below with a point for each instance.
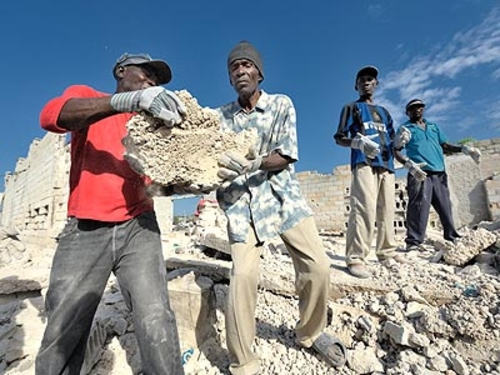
(427, 184)
(367, 129)
(261, 199)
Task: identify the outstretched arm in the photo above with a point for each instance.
(473, 152)
(451, 148)
(79, 113)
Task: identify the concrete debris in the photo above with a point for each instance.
(464, 249)
(188, 153)
(12, 249)
(421, 317)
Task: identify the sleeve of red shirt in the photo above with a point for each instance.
(50, 112)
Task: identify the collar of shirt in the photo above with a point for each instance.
(409, 123)
(262, 105)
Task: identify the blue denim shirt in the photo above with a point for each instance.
(271, 201)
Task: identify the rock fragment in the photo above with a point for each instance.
(188, 153)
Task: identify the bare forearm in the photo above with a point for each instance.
(400, 156)
(79, 113)
(275, 162)
(449, 147)
(344, 141)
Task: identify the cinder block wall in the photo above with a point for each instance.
(475, 188)
(474, 191)
(328, 196)
(36, 193)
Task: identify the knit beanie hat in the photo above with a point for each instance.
(244, 50)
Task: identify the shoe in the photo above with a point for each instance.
(359, 270)
(331, 349)
(414, 247)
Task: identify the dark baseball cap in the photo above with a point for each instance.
(161, 68)
(368, 70)
(415, 103)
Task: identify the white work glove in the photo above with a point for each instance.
(234, 165)
(402, 138)
(158, 101)
(473, 152)
(366, 145)
(415, 169)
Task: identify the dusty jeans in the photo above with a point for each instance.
(87, 253)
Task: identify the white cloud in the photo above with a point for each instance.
(375, 10)
(434, 77)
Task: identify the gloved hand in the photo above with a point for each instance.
(234, 165)
(415, 169)
(473, 152)
(158, 101)
(366, 145)
(402, 138)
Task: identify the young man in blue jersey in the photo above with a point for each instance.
(367, 129)
(427, 183)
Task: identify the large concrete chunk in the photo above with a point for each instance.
(192, 298)
(189, 153)
(467, 247)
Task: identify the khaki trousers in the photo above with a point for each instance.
(372, 201)
(312, 282)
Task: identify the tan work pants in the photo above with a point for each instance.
(312, 282)
(372, 200)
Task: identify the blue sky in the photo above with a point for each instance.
(446, 52)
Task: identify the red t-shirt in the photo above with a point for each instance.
(102, 185)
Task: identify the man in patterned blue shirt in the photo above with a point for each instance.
(367, 129)
(262, 199)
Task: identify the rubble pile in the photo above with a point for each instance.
(12, 250)
(187, 154)
(471, 243)
(422, 317)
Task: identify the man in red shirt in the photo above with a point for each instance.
(111, 223)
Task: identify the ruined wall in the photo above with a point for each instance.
(36, 193)
(475, 189)
(328, 196)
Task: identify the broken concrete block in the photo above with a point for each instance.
(364, 361)
(192, 298)
(399, 333)
(458, 364)
(419, 340)
(472, 243)
(188, 153)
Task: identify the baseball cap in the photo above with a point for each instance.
(161, 68)
(368, 70)
(415, 103)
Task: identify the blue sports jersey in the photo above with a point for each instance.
(368, 119)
